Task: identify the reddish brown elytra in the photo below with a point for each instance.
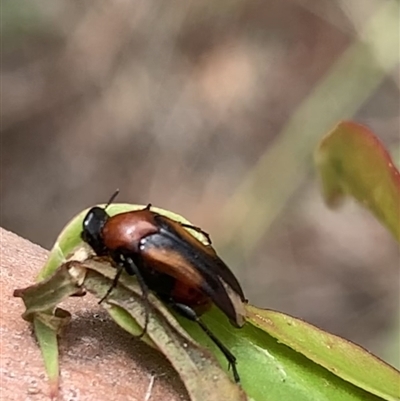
(168, 260)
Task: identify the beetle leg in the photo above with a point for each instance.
(129, 265)
(133, 270)
(114, 283)
(190, 314)
(199, 230)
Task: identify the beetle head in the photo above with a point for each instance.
(93, 224)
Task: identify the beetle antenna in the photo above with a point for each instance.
(113, 196)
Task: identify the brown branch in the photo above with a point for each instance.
(99, 361)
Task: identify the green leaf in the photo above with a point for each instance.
(47, 338)
(351, 160)
(40, 301)
(271, 369)
(341, 357)
(41, 297)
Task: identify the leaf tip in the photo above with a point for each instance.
(54, 388)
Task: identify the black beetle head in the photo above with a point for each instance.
(93, 224)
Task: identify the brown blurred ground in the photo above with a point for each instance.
(174, 103)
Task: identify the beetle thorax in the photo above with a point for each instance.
(126, 230)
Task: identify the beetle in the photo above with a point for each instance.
(168, 260)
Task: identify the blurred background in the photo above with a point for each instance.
(211, 110)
